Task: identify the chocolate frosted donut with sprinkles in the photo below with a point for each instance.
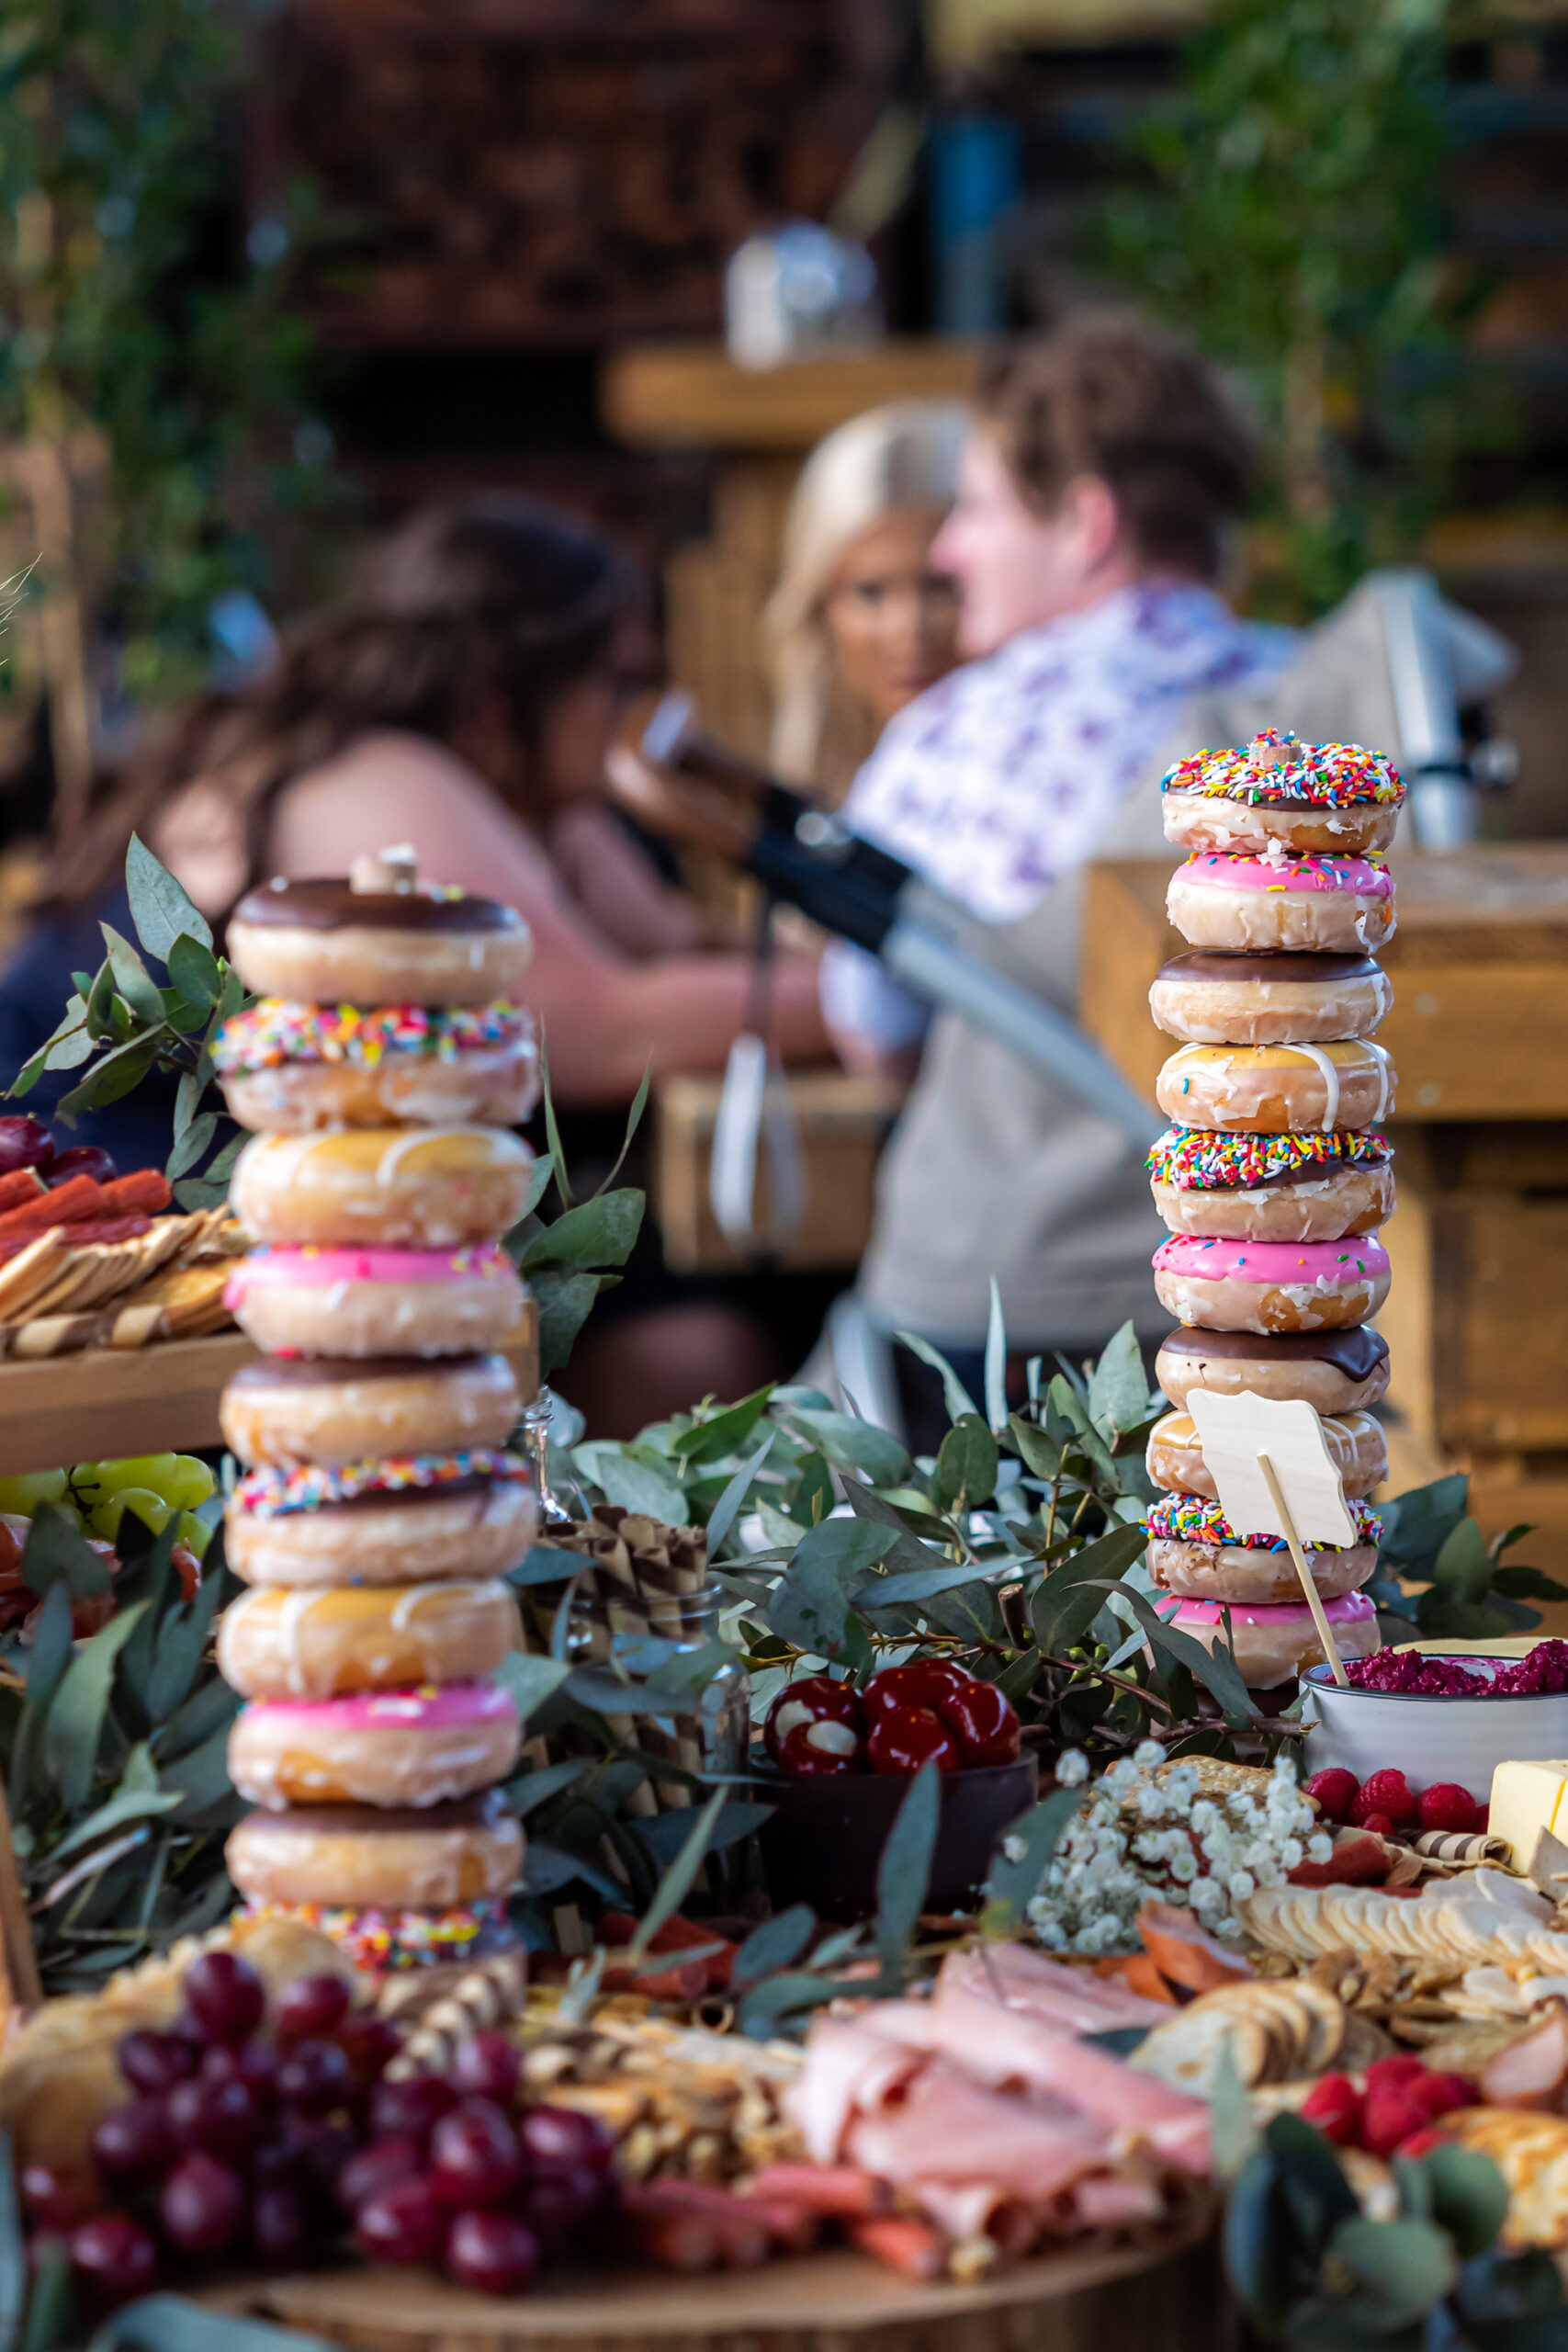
(1332, 799)
(291, 1068)
(1329, 905)
(1247, 1186)
(399, 1519)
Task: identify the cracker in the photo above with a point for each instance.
(1186, 2051)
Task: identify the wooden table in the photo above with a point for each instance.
(1477, 1319)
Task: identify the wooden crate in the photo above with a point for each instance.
(842, 1123)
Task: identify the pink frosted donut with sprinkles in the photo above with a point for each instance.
(1275, 1642)
(291, 1068)
(1330, 799)
(1268, 1286)
(1243, 904)
(413, 1748)
(1315, 1185)
(307, 1300)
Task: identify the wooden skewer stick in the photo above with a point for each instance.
(1319, 1618)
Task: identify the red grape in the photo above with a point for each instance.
(403, 2225)
(314, 2076)
(378, 2168)
(311, 2006)
(557, 2136)
(136, 2141)
(219, 2117)
(413, 2105)
(202, 2206)
(369, 2044)
(56, 2197)
(24, 1143)
(280, 2231)
(255, 2064)
(323, 2148)
(487, 2065)
(554, 2204)
(494, 2253)
(279, 2164)
(226, 1995)
(473, 2155)
(114, 2257)
(82, 1159)
(152, 2063)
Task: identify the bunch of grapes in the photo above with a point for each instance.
(267, 2145)
(154, 1487)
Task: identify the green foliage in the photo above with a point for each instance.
(133, 305)
(1287, 208)
(1470, 1592)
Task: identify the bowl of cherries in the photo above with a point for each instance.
(839, 1760)
(273, 2135)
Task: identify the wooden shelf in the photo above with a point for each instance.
(691, 395)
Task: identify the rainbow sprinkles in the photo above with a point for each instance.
(1277, 768)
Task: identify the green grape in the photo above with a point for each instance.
(195, 1534)
(150, 1472)
(189, 1483)
(20, 1497)
(141, 1501)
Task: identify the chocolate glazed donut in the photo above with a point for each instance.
(1270, 997)
(1337, 1372)
(322, 942)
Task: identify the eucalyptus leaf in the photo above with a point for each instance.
(1119, 1387)
(1401, 2268)
(194, 971)
(111, 1076)
(914, 1585)
(530, 1679)
(531, 1790)
(134, 1804)
(545, 1564)
(564, 1303)
(723, 1432)
(190, 1144)
(201, 1776)
(76, 1712)
(1214, 1668)
(632, 1484)
(131, 977)
(182, 1638)
(777, 1944)
(965, 1466)
(904, 1870)
(722, 1517)
(810, 1607)
(676, 1882)
(600, 1232)
(1015, 1876)
(850, 1444)
(1466, 2195)
(158, 907)
(956, 1395)
(738, 1817)
(53, 1649)
(1069, 1597)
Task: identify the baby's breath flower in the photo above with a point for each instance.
(1149, 1754)
(1013, 1849)
(1240, 1884)
(1072, 1767)
(1184, 1867)
(1320, 1848)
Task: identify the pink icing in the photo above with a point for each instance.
(311, 1269)
(1350, 1609)
(1272, 1261)
(1219, 870)
(443, 1710)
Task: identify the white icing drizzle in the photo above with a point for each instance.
(392, 1158)
(292, 1612)
(408, 1601)
(1330, 1076)
(1385, 1079)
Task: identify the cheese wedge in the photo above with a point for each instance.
(1526, 1799)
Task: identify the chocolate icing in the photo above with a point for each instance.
(485, 1811)
(318, 1372)
(1267, 964)
(1355, 1353)
(390, 1498)
(327, 903)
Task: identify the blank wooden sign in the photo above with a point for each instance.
(1236, 1430)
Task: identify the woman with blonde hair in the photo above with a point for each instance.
(861, 622)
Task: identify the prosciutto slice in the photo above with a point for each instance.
(1013, 1976)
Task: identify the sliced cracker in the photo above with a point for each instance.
(1186, 2053)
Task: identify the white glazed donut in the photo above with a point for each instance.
(1269, 997)
(1193, 821)
(1333, 799)
(292, 1068)
(1345, 1083)
(288, 1409)
(334, 1642)
(1257, 1187)
(1275, 1642)
(404, 1188)
(310, 1302)
(391, 1748)
(1334, 1372)
(1329, 905)
(399, 1520)
(1267, 1286)
(1175, 1461)
(355, 1858)
(325, 942)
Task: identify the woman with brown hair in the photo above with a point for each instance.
(462, 697)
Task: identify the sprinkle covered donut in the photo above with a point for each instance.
(1333, 799)
(291, 1068)
(393, 1747)
(1345, 1083)
(1270, 997)
(1194, 1551)
(288, 1409)
(1327, 904)
(331, 1643)
(1274, 1642)
(1257, 1187)
(324, 1302)
(1334, 1372)
(325, 942)
(393, 1521)
(1175, 1460)
(1267, 1286)
(412, 1188)
(356, 1858)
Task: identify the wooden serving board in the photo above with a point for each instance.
(1164, 2296)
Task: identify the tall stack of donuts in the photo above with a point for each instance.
(383, 1066)
(1275, 1175)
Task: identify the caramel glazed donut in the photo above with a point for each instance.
(335, 1642)
(412, 1188)
(1269, 997)
(1241, 1187)
(1332, 799)
(1194, 1551)
(1267, 1286)
(400, 1522)
(1355, 1442)
(1337, 1373)
(352, 1857)
(289, 1067)
(331, 942)
(387, 1749)
(1348, 1082)
(354, 1303)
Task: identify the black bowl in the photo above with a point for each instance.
(825, 1838)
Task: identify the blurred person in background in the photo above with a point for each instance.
(461, 697)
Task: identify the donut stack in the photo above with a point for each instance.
(378, 1509)
(1276, 1174)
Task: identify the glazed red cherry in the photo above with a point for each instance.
(494, 2253)
(224, 1995)
(255, 2064)
(473, 2155)
(414, 2106)
(280, 2229)
(221, 2118)
(202, 2204)
(403, 2225)
(154, 2062)
(314, 2076)
(376, 2169)
(56, 2197)
(369, 2044)
(114, 2258)
(555, 2137)
(135, 2142)
(310, 2007)
(486, 2067)
(555, 2203)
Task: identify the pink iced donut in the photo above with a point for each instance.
(391, 1747)
(1276, 1641)
(1325, 904)
(319, 1302)
(1271, 1285)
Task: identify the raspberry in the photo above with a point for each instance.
(1335, 2106)
(1403, 2068)
(1392, 2111)
(1335, 1792)
(1442, 2093)
(1445, 1806)
(1383, 1793)
(1420, 2143)
(1378, 1824)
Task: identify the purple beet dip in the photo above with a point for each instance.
(1542, 1670)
